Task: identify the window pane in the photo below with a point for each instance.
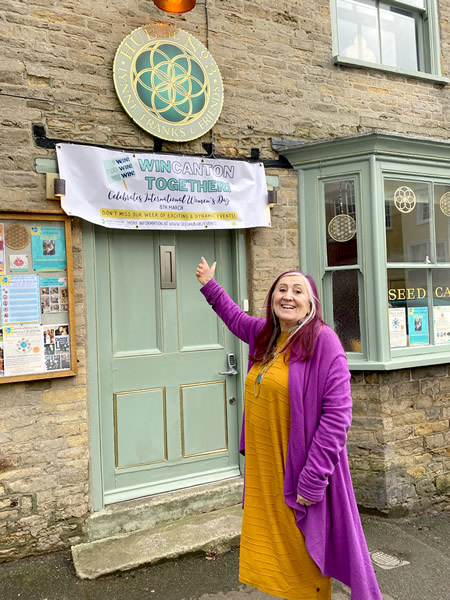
(358, 29)
(442, 221)
(418, 3)
(408, 296)
(441, 306)
(340, 216)
(409, 239)
(346, 309)
(398, 37)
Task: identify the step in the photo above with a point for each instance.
(149, 512)
(216, 531)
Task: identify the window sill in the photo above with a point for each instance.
(399, 362)
(353, 62)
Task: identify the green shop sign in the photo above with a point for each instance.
(168, 82)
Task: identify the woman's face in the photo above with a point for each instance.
(290, 301)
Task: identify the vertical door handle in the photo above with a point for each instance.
(167, 266)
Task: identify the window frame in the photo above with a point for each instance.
(368, 158)
(429, 48)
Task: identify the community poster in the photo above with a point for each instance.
(56, 339)
(20, 299)
(23, 349)
(54, 294)
(418, 326)
(153, 191)
(397, 327)
(48, 247)
(442, 324)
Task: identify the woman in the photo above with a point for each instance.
(301, 524)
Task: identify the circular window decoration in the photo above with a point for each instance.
(168, 82)
(405, 199)
(444, 203)
(342, 228)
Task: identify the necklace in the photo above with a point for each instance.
(264, 370)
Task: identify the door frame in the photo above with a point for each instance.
(238, 253)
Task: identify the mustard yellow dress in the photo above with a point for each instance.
(273, 555)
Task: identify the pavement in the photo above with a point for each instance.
(411, 558)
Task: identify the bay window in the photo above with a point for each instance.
(374, 227)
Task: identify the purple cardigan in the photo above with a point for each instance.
(316, 463)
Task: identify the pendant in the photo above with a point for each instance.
(259, 378)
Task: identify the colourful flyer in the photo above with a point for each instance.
(442, 324)
(56, 340)
(49, 249)
(20, 299)
(418, 326)
(397, 327)
(54, 294)
(23, 349)
(18, 263)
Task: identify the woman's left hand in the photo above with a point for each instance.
(304, 501)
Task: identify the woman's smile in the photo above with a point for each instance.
(291, 301)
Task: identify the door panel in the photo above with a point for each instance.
(204, 418)
(166, 419)
(132, 279)
(140, 426)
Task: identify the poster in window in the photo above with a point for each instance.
(48, 248)
(442, 324)
(397, 327)
(418, 326)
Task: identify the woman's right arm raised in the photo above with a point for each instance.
(238, 322)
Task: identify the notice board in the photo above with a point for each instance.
(37, 323)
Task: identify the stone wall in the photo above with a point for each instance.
(400, 438)
(279, 81)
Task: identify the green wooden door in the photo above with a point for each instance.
(168, 418)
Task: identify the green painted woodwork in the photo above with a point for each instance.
(162, 409)
(367, 159)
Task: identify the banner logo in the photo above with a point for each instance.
(168, 83)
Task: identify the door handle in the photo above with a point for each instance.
(231, 364)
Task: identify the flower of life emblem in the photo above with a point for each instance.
(444, 203)
(404, 199)
(342, 228)
(168, 82)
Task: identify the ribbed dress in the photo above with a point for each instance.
(273, 555)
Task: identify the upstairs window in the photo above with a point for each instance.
(401, 36)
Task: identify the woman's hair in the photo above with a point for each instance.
(301, 342)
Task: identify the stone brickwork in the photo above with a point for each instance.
(279, 81)
(399, 440)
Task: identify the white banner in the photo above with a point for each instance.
(161, 191)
